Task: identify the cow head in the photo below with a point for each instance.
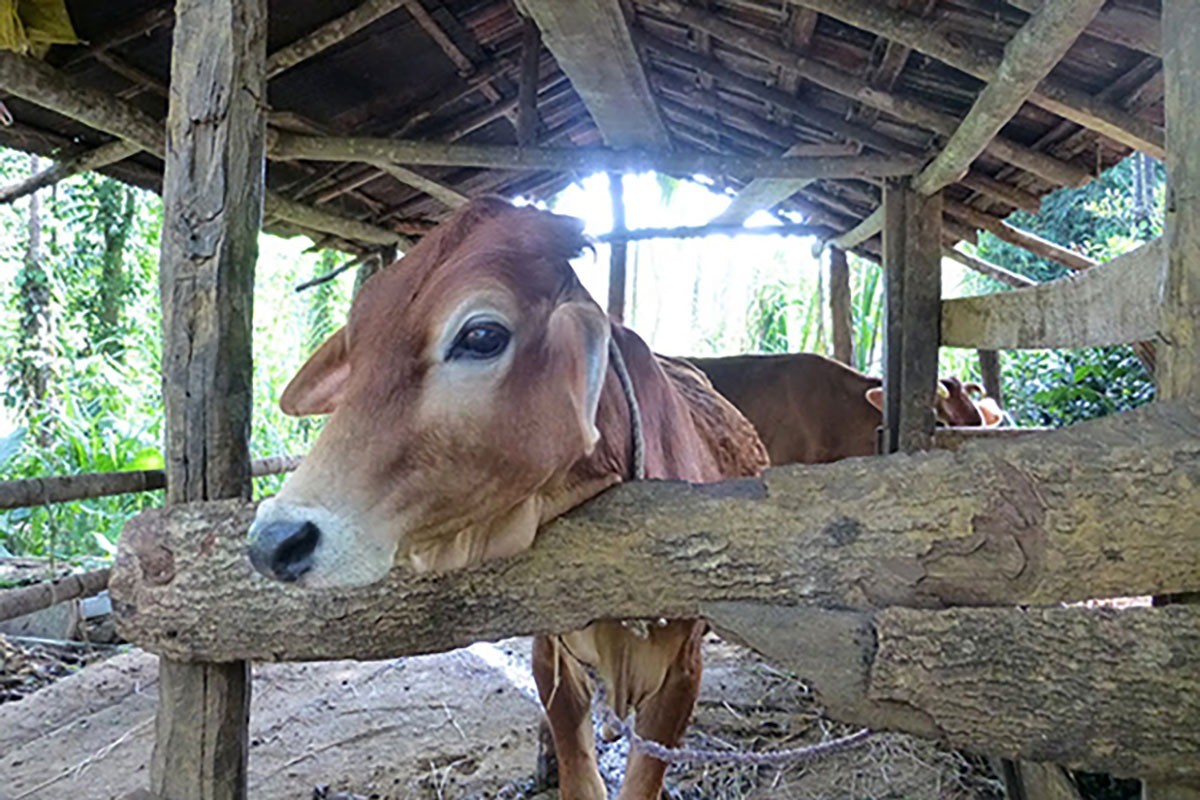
(460, 393)
(955, 405)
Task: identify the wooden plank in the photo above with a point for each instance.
(945, 674)
(840, 308)
(566, 159)
(912, 260)
(620, 248)
(1047, 518)
(1028, 58)
(1115, 303)
(1052, 94)
(591, 42)
(213, 188)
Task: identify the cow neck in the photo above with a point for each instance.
(637, 436)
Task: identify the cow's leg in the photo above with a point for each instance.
(566, 693)
(663, 717)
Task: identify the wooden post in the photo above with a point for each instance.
(989, 369)
(912, 258)
(620, 250)
(1179, 335)
(839, 306)
(213, 198)
(527, 116)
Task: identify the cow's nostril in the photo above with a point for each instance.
(284, 550)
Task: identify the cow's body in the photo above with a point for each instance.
(472, 400)
(809, 409)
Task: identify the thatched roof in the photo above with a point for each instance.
(737, 77)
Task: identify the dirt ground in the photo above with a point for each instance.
(455, 725)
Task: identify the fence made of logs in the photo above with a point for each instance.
(921, 591)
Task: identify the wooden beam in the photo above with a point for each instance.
(591, 42)
(840, 307)
(864, 230)
(213, 188)
(364, 149)
(984, 267)
(709, 229)
(344, 227)
(1134, 28)
(1114, 303)
(329, 34)
(912, 263)
(620, 249)
(84, 161)
(442, 192)
(989, 371)
(1004, 192)
(1028, 59)
(855, 88)
(1020, 238)
(527, 117)
(1179, 334)
(1052, 94)
(22, 600)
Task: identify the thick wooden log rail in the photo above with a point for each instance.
(1104, 508)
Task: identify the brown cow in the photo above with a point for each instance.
(471, 399)
(809, 409)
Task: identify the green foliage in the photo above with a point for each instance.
(1110, 216)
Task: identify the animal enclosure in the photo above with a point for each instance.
(895, 131)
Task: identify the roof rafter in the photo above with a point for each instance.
(591, 41)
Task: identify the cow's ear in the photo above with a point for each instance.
(584, 331)
(318, 386)
(990, 411)
(874, 396)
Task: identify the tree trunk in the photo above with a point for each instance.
(37, 352)
(118, 204)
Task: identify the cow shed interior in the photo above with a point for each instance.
(894, 130)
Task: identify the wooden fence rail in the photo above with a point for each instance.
(30, 492)
(1105, 508)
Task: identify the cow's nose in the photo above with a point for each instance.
(284, 550)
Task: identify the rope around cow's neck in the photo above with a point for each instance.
(687, 755)
(691, 755)
(637, 469)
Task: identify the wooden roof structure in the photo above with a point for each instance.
(862, 87)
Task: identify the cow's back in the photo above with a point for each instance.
(807, 409)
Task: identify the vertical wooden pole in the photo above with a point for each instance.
(912, 259)
(1178, 350)
(531, 51)
(212, 195)
(839, 306)
(989, 369)
(620, 250)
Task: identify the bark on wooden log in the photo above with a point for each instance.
(330, 34)
(1042, 165)
(1106, 508)
(1052, 94)
(1114, 303)
(365, 149)
(28, 599)
(28, 492)
(1028, 58)
(1097, 689)
(86, 161)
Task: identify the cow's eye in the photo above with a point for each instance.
(479, 339)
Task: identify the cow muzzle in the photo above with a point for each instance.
(283, 549)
